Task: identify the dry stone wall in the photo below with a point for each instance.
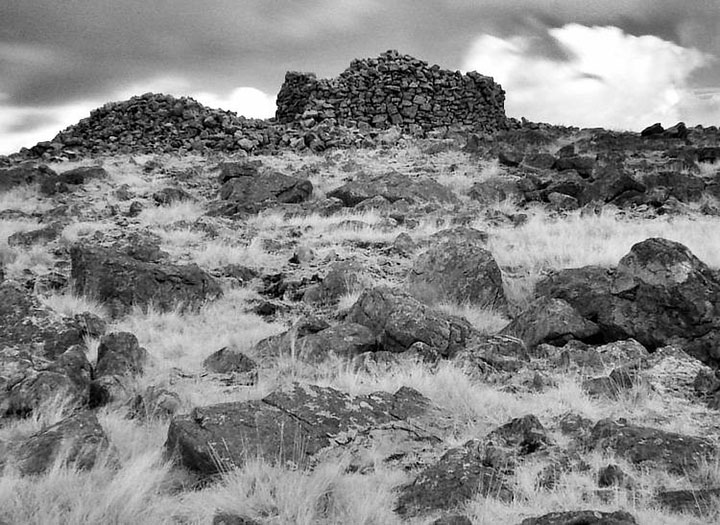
(394, 89)
(348, 111)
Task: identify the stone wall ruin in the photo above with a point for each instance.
(394, 89)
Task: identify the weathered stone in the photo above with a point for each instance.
(168, 196)
(345, 340)
(79, 440)
(255, 193)
(551, 321)
(393, 186)
(458, 476)
(660, 294)
(25, 321)
(702, 502)
(644, 446)
(227, 360)
(583, 517)
(288, 426)
(123, 282)
(342, 278)
(457, 272)
(398, 320)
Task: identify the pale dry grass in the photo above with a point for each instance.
(25, 198)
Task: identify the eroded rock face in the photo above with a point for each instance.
(398, 320)
(660, 294)
(645, 446)
(288, 426)
(457, 272)
(121, 281)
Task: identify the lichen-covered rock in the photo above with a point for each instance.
(700, 502)
(342, 278)
(398, 320)
(252, 194)
(122, 282)
(551, 321)
(645, 446)
(393, 186)
(458, 476)
(584, 517)
(80, 438)
(458, 272)
(660, 294)
(288, 426)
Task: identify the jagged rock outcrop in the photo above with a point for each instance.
(660, 294)
(394, 89)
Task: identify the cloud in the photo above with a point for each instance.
(25, 127)
(246, 101)
(610, 79)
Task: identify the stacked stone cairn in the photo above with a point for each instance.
(347, 111)
(394, 90)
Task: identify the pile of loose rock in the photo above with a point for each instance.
(394, 89)
(372, 94)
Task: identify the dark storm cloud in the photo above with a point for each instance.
(53, 52)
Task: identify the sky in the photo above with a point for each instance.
(619, 64)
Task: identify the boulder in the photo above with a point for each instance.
(612, 184)
(660, 294)
(651, 447)
(457, 272)
(168, 196)
(122, 282)
(458, 476)
(24, 174)
(398, 320)
(25, 321)
(699, 502)
(552, 321)
(685, 187)
(583, 517)
(252, 194)
(289, 426)
(342, 278)
(78, 441)
(652, 130)
(27, 382)
(346, 340)
(393, 186)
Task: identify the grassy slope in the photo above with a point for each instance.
(144, 489)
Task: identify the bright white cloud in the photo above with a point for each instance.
(25, 127)
(612, 79)
(246, 101)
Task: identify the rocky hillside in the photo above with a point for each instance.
(207, 319)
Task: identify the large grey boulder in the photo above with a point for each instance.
(79, 441)
(289, 426)
(254, 193)
(121, 281)
(393, 186)
(459, 271)
(660, 294)
(399, 320)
